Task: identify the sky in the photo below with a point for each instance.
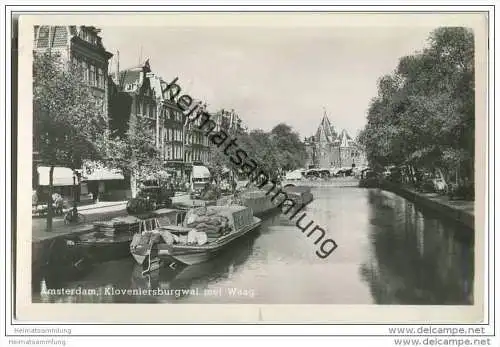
(272, 75)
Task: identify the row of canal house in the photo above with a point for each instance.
(82, 47)
(132, 92)
(138, 92)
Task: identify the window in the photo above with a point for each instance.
(85, 68)
(92, 75)
(140, 108)
(100, 78)
(74, 63)
(43, 36)
(80, 68)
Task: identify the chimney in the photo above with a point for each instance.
(118, 67)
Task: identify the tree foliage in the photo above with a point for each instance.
(423, 114)
(279, 149)
(135, 154)
(69, 121)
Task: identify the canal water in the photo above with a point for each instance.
(389, 252)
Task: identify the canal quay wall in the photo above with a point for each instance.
(459, 211)
(331, 182)
(42, 241)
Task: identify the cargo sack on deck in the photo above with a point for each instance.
(213, 221)
(213, 229)
(168, 237)
(200, 211)
(191, 219)
(182, 240)
(201, 226)
(156, 238)
(211, 212)
(191, 236)
(201, 238)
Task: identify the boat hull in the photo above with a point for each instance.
(190, 255)
(188, 258)
(107, 250)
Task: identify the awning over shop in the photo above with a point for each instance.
(97, 171)
(62, 176)
(173, 164)
(201, 172)
(103, 174)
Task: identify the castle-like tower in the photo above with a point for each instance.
(328, 149)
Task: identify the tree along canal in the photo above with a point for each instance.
(389, 252)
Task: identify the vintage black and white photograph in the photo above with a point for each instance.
(254, 164)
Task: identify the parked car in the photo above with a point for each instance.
(345, 171)
(225, 187)
(150, 198)
(440, 185)
(161, 196)
(461, 191)
(241, 185)
(387, 173)
(139, 205)
(368, 179)
(200, 179)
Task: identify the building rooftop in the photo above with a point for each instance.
(50, 36)
(326, 133)
(132, 76)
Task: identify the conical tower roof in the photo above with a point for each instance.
(325, 130)
(345, 139)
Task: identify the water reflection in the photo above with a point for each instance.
(122, 281)
(390, 252)
(182, 281)
(416, 258)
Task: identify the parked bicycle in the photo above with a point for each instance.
(74, 217)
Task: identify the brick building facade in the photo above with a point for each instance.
(78, 47)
